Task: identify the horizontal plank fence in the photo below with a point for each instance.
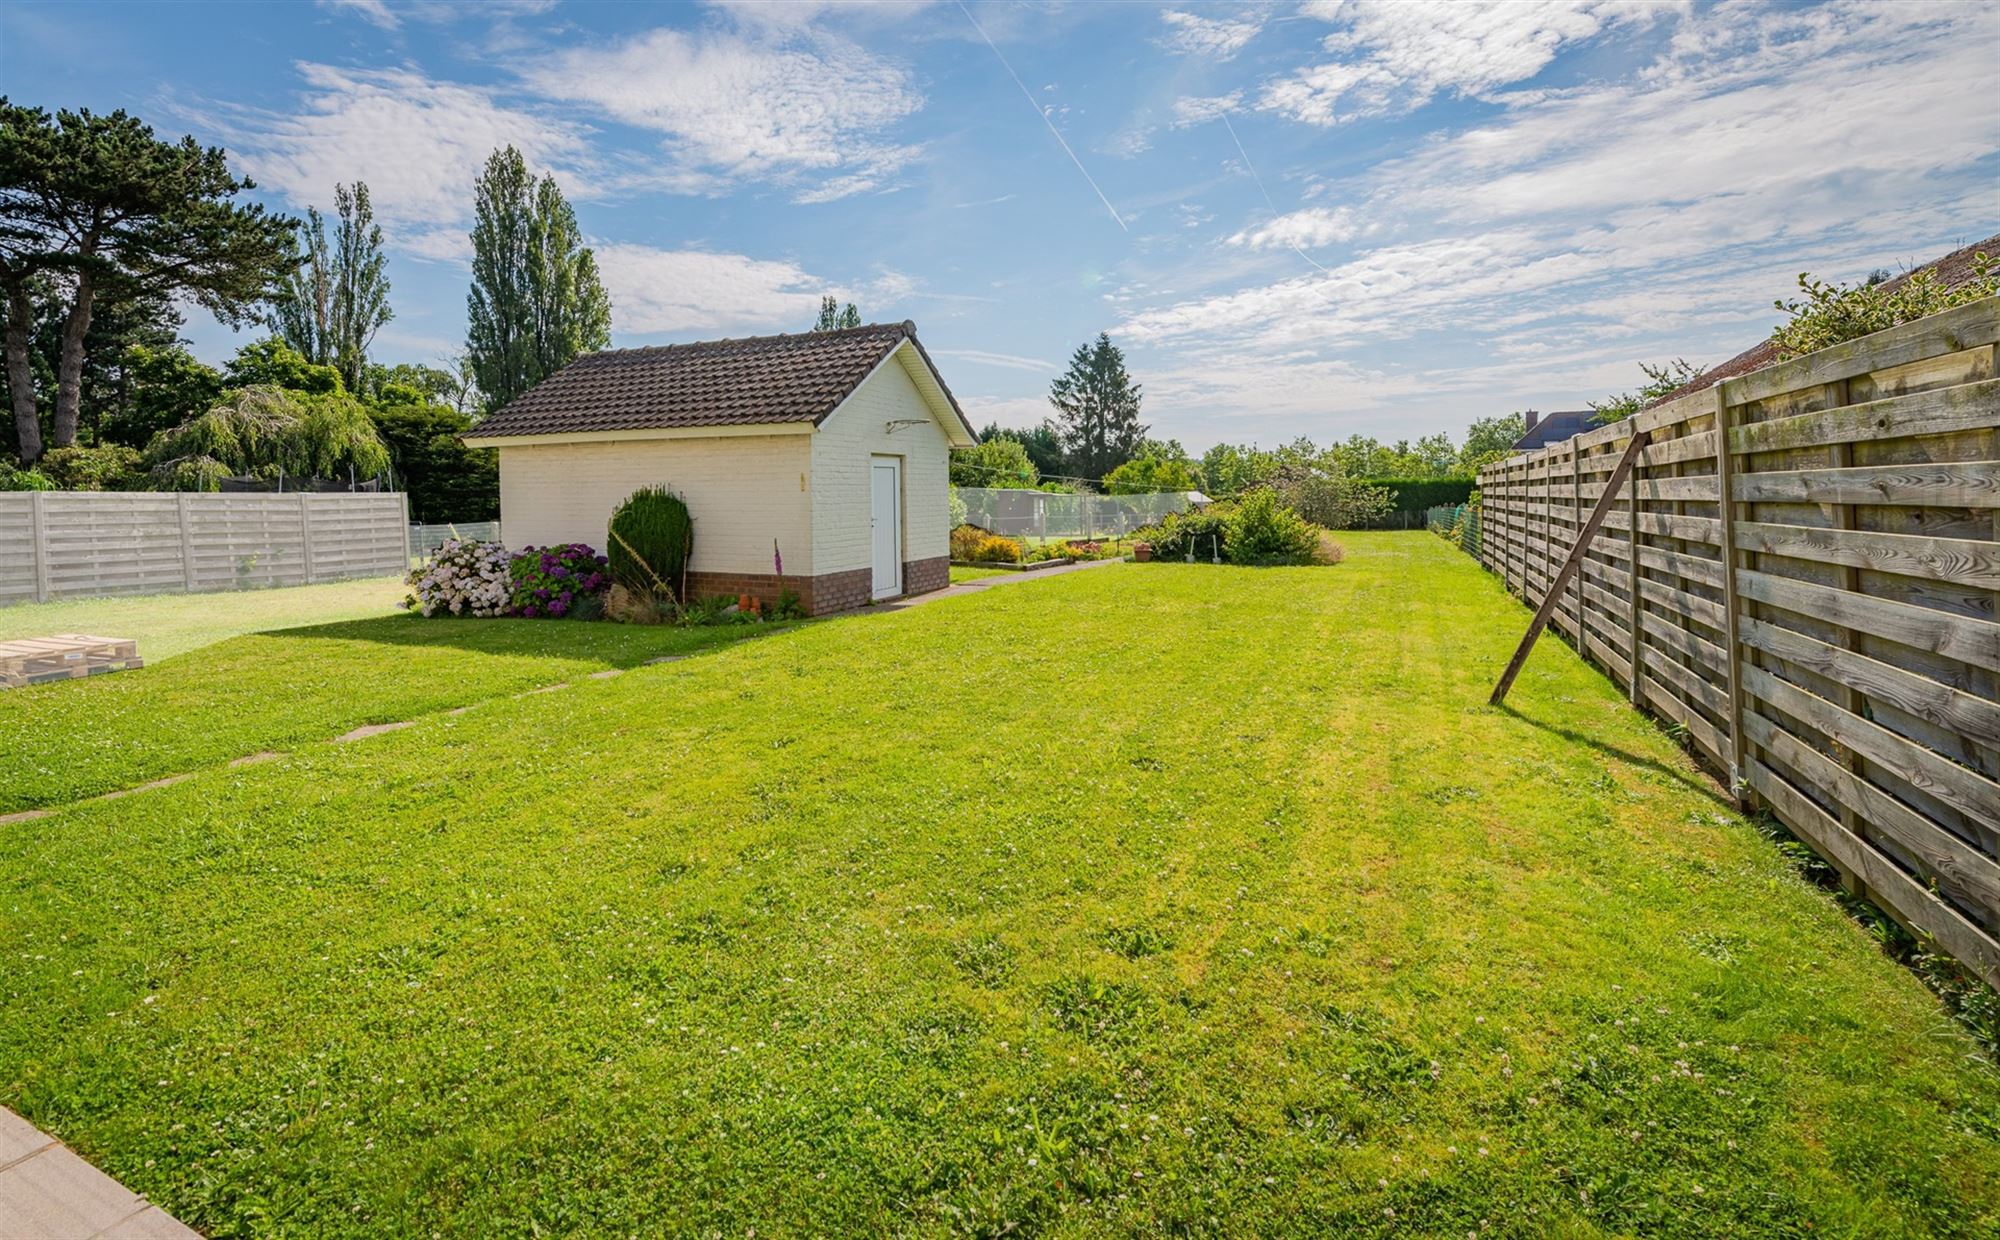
(80, 544)
(1803, 574)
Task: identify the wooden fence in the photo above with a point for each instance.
(1827, 637)
(76, 544)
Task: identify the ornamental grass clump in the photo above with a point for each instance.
(466, 578)
(554, 583)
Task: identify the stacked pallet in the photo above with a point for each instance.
(66, 656)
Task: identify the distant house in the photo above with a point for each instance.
(1547, 428)
(831, 447)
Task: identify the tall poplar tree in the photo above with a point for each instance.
(1097, 409)
(302, 315)
(537, 300)
(832, 318)
(360, 287)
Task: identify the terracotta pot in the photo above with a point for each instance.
(1142, 552)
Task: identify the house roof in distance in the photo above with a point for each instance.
(756, 381)
(1554, 428)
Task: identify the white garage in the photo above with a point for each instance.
(830, 448)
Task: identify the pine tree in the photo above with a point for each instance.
(360, 289)
(1097, 409)
(103, 201)
(537, 300)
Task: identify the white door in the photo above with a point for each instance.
(886, 519)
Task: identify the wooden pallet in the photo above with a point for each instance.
(65, 656)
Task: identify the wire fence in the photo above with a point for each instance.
(426, 539)
(1458, 523)
(1020, 513)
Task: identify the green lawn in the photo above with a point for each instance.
(171, 624)
(1161, 899)
(960, 573)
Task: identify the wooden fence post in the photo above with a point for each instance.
(305, 539)
(1637, 612)
(1725, 477)
(181, 513)
(38, 526)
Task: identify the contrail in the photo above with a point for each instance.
(1260, 187)
(1030, 97)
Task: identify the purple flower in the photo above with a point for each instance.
(559, 571)
(529, 610)
(558, 608)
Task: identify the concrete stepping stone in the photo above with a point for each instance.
(373, 729)
(47, 1191)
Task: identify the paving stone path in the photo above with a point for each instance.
(48, 1193)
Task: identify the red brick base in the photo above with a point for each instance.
(826, 593)
(923, 576)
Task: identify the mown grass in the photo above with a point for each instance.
(165, 625)
(960, 572)
(267, 691)
(1158, 899)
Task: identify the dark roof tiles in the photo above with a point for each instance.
(758, 380)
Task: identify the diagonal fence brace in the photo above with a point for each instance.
(1553, 599)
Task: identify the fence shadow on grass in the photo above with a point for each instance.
(614, 645)
(1694, 783)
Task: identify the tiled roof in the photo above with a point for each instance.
(1950, 271)
(1554, 428)
(758, 380)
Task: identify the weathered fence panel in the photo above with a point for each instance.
(1803, 573)
(77, 544)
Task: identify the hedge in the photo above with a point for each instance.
(1418, 494)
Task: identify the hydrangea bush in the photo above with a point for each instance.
(554, 582)
(467, 578)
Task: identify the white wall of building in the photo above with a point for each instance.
(841, 454)
(742, 490)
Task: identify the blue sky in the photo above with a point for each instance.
(1299, 219)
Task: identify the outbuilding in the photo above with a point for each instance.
(821, 455)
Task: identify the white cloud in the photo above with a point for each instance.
(748, 107)
(418, 143)
(1018, 412)
(1394, 54)
(1214, 38)
(1653, 215)
(374, 12)
(655, 292)
(1194, 109)
(381, 14)
(1006, 361)
(1301, 230)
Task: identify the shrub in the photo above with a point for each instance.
(970, 544)
(1264, 530)
(1832, 313)
(1201, 533)
(14, 479)
(466, 578)
(956, 507)
(628, 605)
(652, 538)
(555, 582)
(111, 467)
(1333, 500)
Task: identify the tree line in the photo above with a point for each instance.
(107, 230)
(1094, 440)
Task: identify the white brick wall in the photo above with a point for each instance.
(743, 491)
(841, 452)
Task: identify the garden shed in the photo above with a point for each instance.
(821, 455)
